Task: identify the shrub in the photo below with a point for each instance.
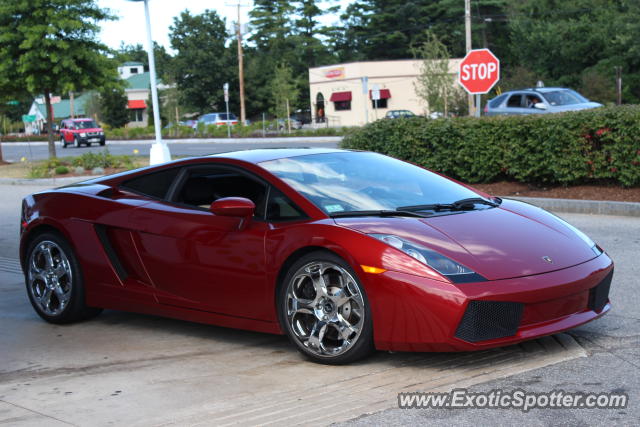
(592, 146)
(61, 170)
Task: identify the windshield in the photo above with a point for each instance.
(564, 97)
(86, 124)
(358, 181)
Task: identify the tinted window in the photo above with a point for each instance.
(564, 97)
(154, 184)
(280, 208)
(86, 124)
(352, 181)
(495, 102)
(205, 185)
(515, 101)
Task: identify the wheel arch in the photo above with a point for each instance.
(37, 230)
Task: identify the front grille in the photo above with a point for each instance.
(485, 320)
(599, 295)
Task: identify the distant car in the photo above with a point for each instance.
(219, 119)
(78, 132)
(295, 124)
(397, 114)
(538, 101)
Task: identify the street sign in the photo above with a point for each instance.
(225, 87)
(479, 71)
(375, 92)
(29, 118)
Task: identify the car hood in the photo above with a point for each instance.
(499, 243)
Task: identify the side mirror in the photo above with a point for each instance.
(238, 207)
(540, 105)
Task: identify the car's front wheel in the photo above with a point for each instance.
(324, 310)
(63, 142)
(54, 280)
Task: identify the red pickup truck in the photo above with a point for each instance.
(77, 132)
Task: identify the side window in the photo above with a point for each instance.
(495, 103)
(515, 101)
(155, 184)
(203, 186)
(280, 208)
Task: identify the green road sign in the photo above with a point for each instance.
(29, 118)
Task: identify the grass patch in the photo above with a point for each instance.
(74, 166)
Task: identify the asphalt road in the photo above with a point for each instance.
(123, 368)
(38, 150)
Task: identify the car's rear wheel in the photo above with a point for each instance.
(324, 310)
(54, 280)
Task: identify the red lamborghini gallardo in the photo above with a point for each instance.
(342, 251)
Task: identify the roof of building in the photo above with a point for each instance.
(62, 109)
(139, 81)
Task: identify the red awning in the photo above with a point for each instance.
(384, 94)
(340, 96)
(136, 104)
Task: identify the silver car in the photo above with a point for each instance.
(538, 101)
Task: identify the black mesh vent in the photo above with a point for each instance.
(599, 295)
(485, 320)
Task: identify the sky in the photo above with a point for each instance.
(130, 28)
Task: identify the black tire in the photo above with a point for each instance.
(76, 143)
(64, 143)
(363, 345)
(102, 143)
(75, 309)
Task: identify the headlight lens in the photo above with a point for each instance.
(456, 272)
(83, 134)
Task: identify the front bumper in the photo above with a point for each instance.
(412, 313)
(91, 139)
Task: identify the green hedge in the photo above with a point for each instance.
(593, 146)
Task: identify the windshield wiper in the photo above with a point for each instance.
(464, 204)
(382, 213)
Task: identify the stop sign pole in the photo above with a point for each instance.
(479, 71)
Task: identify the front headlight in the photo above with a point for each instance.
(83, 134)
(458, 273)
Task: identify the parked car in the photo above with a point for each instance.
(538, 101)
(78, 132)
(343, 251)
(295, 124)
(219, 119)
(397, 114)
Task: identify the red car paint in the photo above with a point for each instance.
(195, 265)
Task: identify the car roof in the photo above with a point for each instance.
(266, 154)
(80, 119)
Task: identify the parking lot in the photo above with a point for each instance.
(124, 368)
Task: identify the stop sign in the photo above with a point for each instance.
(479, 71)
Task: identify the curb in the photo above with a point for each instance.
(52, 182)
(593, 207)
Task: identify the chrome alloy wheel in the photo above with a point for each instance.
(49, 277)
(325, 308)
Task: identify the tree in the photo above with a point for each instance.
(50, 46)
(202, 63)
(113, 107)
(390, 29)
(435, 83)
(137, 53)
(284, 91)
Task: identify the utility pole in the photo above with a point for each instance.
(243, 114)
(467, 28)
